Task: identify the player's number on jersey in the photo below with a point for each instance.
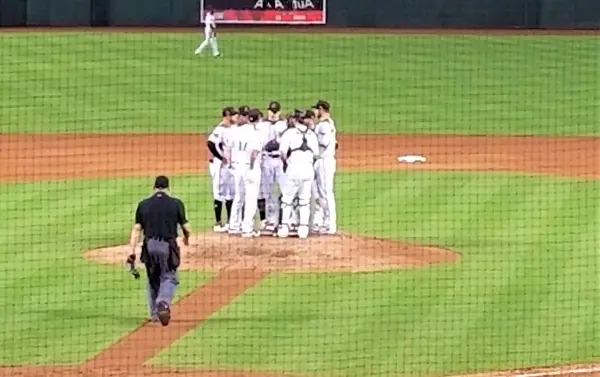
(242, 146)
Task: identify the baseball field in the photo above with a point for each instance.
(485, 259)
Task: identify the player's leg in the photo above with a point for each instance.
(263, 193)
(227, 192)
(304, 195)
(214, 45)
(214, 168)
(235, 222)
(272, 204)
(204, 44)
(288, 193)
(330, 205)
(318, 195)
(252, 186)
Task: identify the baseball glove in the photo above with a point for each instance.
(131, 264)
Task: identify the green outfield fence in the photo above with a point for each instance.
(481, 257)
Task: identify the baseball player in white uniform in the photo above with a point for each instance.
(244, 152)
(271, 128)
(210, 34)
(222, 178)
(298, 147)
(325, 215)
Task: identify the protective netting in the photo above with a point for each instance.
(476, 253)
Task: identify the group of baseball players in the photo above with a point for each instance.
(281, 167)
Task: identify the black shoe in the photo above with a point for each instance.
(164, 313)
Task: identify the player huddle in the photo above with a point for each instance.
(281, 167)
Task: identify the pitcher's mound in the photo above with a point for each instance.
(342, 252)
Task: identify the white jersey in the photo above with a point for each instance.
(271, 131)
(219, 136)
(209, 21)
(326, 134)
(243, 142)
(301, 146)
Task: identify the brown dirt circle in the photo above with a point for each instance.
(72, 156)
(340, 252)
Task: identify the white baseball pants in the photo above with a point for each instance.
(325, 210)
(222, 181)
(296, 187)
(272, 170)
(209, 39)
(247, 185)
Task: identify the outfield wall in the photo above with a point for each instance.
(496, 14)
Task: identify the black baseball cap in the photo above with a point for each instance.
(322, 104)
(253, 115)
(229, 111)
(275, 106)
(243, 110)
(161, 182)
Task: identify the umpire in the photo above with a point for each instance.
(158, 216)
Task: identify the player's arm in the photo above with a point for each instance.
(214, 140)
(326, 135)
(255, 147)
(284, 147)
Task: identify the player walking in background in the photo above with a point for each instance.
(298, 148)
(272, 168)
(210, 34)
(325, 215)
(221, 175)
(244, 152)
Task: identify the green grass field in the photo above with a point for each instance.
(525, 292)
(424, 84)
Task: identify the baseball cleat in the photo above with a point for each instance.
(251, 234)
(164, 313)
(220, 228)
(234, 231)
(303, 231)
(283, 232)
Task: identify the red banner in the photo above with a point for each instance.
(271, 16)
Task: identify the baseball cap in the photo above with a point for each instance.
(243, 110)
(161, 182)
(322, 104)
(309, 114)
(229, 111)
(253, 115)
(275, 106)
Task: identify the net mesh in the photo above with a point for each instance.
(467, 209)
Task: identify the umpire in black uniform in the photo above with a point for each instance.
(158, 217)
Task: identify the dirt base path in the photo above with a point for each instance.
(63, 157)
(60, 157)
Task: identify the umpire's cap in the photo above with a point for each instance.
(244, 110)
(322, 104)
(161, 182)
(229, 111)
(254, 115)
(275, 106)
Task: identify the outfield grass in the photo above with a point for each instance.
(72, 82)
(525, 292)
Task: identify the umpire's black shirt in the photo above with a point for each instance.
(159, 215)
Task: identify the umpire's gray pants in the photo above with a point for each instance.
(162, 281)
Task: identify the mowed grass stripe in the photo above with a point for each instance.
(152, 82)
